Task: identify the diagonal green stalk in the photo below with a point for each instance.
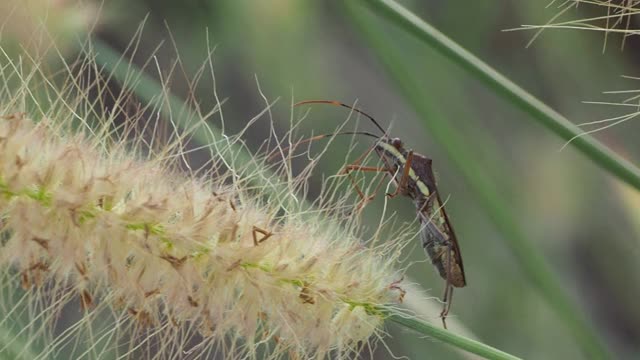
(514, 94)
(152, 93)
(145, 87)
(533, 263)
(449, 337)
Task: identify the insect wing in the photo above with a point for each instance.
(440, 243)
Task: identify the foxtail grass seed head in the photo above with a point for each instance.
(163, 263)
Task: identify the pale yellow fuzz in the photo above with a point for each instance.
(173, 257)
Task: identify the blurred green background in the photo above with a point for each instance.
(580, 218)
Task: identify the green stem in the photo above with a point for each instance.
(449, 337)
(513, 93)
(152, 93)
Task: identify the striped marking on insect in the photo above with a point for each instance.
(413, 176)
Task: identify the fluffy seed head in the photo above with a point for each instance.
(173, 263)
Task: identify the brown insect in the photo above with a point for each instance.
(413, 175)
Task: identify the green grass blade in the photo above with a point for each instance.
(450, 338)
(153, 93)
(513, 93)
(533, 263)
(150, 91)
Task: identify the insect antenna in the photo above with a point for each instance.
(338, 103)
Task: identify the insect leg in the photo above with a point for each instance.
(402, 184)
(364, 198)
(447, 298)
(357, 167)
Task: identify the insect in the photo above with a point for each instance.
(413, 176)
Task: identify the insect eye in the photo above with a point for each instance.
(397, 143)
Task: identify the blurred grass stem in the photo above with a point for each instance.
(437, 332)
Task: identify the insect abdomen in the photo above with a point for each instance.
(439, 251)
